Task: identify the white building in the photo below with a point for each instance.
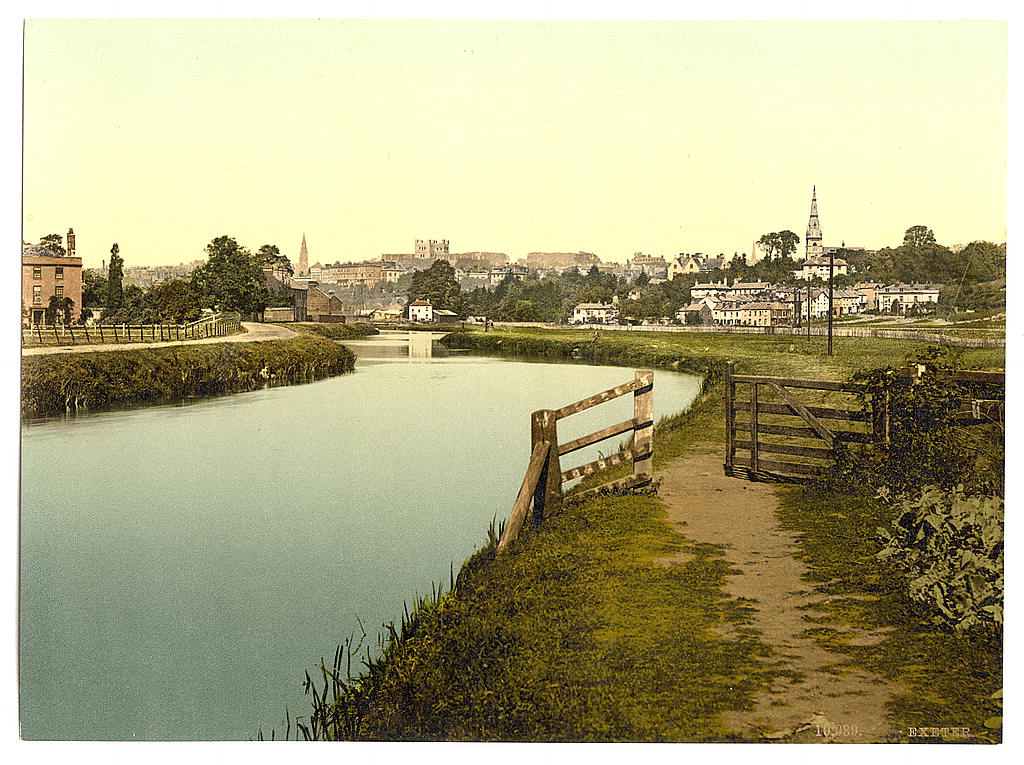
(421, 310)
(817, 267)
(898, 298)
(595, 313)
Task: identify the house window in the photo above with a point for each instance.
(37, 272)
(59, 272)
(58, 291)
(37, 295)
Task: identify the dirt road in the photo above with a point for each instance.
(707, 506)
(254, 333)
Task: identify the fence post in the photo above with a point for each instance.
(101, 332)
(754, 457)
(643, 430)
(547, 498)
(730, 416)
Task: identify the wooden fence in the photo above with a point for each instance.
(923, 335)
(810, 430)
(217, 325)
(542, 484)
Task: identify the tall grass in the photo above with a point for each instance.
(73, 382)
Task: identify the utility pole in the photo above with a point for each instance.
(831, 265)
(809, 290)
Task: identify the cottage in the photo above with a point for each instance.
(446, 317)
(421, 310)
(595, 313)
(817, 267)
(696, 314)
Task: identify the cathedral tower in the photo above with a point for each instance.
(813, 238)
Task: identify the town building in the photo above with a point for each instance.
(868, 290)
(697, 313)
(683, 264)
(431, 249)
(595, 313)
(900, 298)
(45, 275)
(421, 310)
(818, 268)
(368, 274)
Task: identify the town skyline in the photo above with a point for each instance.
(604, 137)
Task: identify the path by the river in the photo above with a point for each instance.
(707, 506)
(254, 333)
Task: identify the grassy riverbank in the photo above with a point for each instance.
(61, 383)
(334, 331)
(579, 635)
(949, 679)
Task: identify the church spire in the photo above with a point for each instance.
(813, 238)
(303, 257)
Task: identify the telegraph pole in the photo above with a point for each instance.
(831, 265)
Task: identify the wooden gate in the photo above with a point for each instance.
(542, 484)
(757, 407)
(790, 436)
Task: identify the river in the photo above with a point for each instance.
(183, 565)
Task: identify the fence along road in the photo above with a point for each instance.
(254, 333)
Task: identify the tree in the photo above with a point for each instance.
(115, 278)
(269, 256)
(918, 236)
(174, 301)
(779, 244)
(94, 288)
(436, 284)
(230, 279)
(59, 310)
(54, 243)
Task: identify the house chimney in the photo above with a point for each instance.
(71, 243)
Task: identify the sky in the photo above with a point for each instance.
(609, 137)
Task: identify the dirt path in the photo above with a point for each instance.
(740, 515)
(254, 333)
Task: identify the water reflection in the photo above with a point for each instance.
(397, 346)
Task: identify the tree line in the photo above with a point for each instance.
(231, 279)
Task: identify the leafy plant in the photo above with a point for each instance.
(950, 545)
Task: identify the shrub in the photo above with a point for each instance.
(950, 545)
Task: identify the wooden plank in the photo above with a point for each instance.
(600, 398)
(754, 454)
(630, 482)
(962, 375)
(823, 412)
(800, 409)
(643, 413)
(605, 462)
(794, 468)
(798, 451)
(790, 382)
(518, 515)
(593, 438)
(730, 413)
(801, 432)
(547, 496)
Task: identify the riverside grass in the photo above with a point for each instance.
(951, 680)
(334, 331)
(66, 383)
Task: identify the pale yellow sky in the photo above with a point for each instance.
(609, 137)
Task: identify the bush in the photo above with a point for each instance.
(950, 545)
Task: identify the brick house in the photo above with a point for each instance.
(45, 275)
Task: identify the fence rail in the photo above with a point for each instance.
(217, 325)
(938, 338)
(542, 484)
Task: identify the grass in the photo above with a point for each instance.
(333, 331)
(949, 680)
(71, 382)
(573, 636)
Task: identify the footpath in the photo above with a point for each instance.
(254, 333)
(739, 515)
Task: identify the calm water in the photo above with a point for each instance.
(183, 565)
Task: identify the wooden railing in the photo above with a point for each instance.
(217, 325)
(542, 484)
